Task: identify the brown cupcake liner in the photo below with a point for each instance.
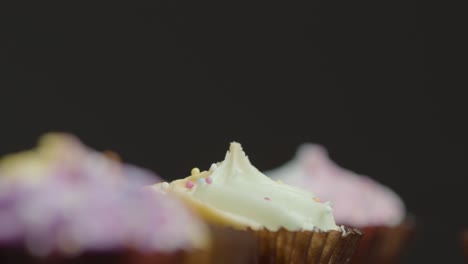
(307, 247)
(228, 246)
(382, 244)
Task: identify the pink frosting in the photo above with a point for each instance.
(357, 200)
(85, 201)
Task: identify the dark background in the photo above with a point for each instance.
(169, 86)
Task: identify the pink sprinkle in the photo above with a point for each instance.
(189, 184)
(266, 198)
(209, 180)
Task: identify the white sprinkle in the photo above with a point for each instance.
(165, 185)
(213, 167)
(201, 181)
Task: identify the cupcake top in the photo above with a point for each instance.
(63, 197)
(357, 200)
(236, 194)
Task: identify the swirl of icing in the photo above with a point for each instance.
(235, 193)
(357, 200)
(63, 197)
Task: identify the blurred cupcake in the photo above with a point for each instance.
(464, 242)
(289, 224)
(357, 200)
(64, 203)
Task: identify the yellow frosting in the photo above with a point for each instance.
(236, 194)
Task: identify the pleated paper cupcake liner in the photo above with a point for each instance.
(307, 247)
(384, 245)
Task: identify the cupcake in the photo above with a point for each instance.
(358, 201)
(464, 242)
(290, 225)
(65, 203)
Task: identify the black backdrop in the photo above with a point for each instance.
(169, 86)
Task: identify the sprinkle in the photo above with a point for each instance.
(316, 199)
(213, 167)
(267, 198)
(209, 180)
(279, 181)
(201, 181)
(189, 184)
(195, 171)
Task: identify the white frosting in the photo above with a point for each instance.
(245, 196)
